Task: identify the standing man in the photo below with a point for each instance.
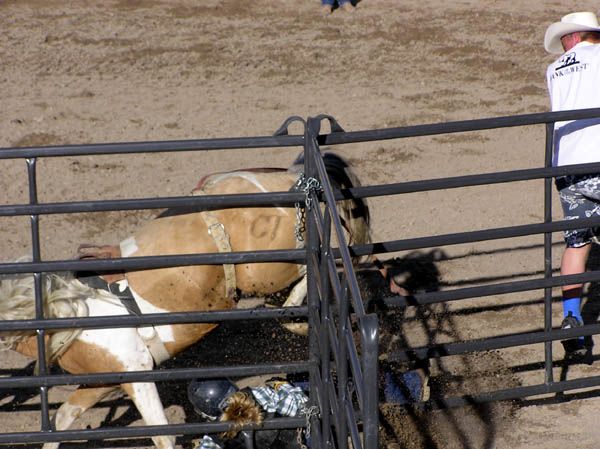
(574, 83)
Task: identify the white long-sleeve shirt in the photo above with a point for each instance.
(574, 83)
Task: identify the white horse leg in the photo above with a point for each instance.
(78, 402)
(119, 350)
(296, 298)
(298, 293)
(145, 397)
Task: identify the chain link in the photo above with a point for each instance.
(306, 185)
(299, 439)
(309, 412)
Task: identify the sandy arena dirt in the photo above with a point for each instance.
(135, 70)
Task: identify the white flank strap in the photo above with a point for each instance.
(217, 231)
(154, 344)
(150, 335)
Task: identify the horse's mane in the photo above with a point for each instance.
(355, 211)
(63, 297)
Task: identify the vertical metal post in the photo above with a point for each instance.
(548, 253)
(39, 298)
(325, 326)
(342, 365)
(311, 133)
(370, 356)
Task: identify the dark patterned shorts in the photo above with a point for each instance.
(580, 198)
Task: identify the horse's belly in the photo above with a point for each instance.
(199, 287)
(177, 336)
(267, 278)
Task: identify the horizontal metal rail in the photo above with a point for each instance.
(336, 138)
(143, 431)
(194, 203)
(492, 289)
(108, 322)
(491, 343)
(471, 236)
(153, 262)
(454, 182)
(515, 393)
(154, 375)
(152, 147)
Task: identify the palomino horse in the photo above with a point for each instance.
(173, 289)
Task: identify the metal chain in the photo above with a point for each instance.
(299, 439)
(300, 223)
(309, 413)
(306, 185)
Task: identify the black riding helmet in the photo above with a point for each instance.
(209, 396)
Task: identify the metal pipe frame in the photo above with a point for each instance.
(350, 400)
(43, 380)
(343, 388)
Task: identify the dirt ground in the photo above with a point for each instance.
(136, 70)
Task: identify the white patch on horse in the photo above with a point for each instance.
(125, 344)
(128, 247)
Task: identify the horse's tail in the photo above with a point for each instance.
(63, 297)
(354, 212)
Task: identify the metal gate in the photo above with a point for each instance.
(342, 376)
(550, 385)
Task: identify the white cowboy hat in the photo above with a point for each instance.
(577, 21)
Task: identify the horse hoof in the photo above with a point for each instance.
(297, 328)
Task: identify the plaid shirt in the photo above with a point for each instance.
(283, 398)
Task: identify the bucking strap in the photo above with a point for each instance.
(219, 235)
(98, 282)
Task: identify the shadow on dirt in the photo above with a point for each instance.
(591, 308)
(590, 313)
(431, 425)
